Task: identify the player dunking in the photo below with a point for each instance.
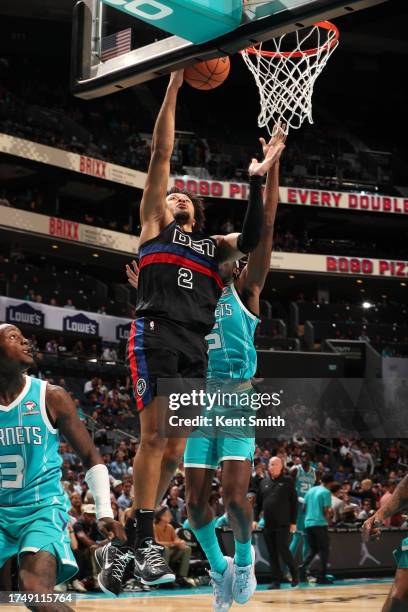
(33, 517)
(397, 600)
(231, 355)
(232, 358)
(179, 286)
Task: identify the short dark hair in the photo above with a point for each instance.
(327, 478)
(335, 487)
(198, 203)
(159, 513)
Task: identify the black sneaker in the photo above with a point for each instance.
(116, 568)
(150, 566)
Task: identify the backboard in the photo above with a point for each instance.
(102, 30)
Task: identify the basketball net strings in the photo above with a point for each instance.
(286, 83)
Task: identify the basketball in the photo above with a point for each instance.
(208, 75)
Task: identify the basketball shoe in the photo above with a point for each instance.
(244, 581)
(150, 566)
(116, 567)
(222, 587)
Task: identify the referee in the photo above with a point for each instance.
(277, 498)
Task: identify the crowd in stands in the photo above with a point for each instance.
(47, 113)
(288, 237)
(366, 473)
(69, 287)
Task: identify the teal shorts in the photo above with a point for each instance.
(401, 555)
(210, 445)
(204, 452)
(38, 527)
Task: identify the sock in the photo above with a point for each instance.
(209, 543)
(139, 528)
(130, 529)
(243, 556)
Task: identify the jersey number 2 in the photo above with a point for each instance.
(16, 470)
(185, 278)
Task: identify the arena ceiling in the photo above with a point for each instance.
(38, 9)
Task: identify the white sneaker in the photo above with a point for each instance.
(222, 587)
(244, 581)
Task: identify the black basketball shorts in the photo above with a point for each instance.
(158, 348)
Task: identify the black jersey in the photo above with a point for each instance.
(179, 278)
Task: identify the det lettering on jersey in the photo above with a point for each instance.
(204, 247)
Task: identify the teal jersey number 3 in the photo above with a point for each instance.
(30, 465)
(231, 349)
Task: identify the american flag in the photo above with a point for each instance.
(116, 44)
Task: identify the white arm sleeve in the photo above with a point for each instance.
(97, 478)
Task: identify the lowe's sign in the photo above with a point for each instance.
(195, 20)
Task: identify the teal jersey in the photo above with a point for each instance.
(231, 349)
(30, 464)
(304, 480)
(316, 499)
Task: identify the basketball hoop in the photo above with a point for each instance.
(286, 78)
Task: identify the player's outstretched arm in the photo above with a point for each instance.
(397, 502)
(154, 214)
(234, 246)
(65, 418)
(252, 279)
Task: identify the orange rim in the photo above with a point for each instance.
(326, 25)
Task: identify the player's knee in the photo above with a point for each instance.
(174, 453)
(196, 505)
(234, 501)
(152, 442)
(33, 583)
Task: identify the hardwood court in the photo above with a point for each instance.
(356, 598)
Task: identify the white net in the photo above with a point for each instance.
(286, 79)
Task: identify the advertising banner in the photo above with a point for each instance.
(42, 316)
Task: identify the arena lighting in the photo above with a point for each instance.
(95, 254)
(55, 246)
(367, 305)
(403, 284)
(291, 276)
(359, 281)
